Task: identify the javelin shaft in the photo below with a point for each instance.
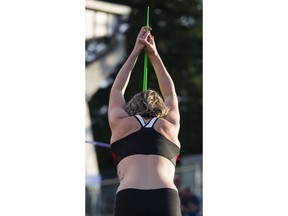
(145, 74)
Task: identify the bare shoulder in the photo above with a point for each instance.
(167, 125)
(124, 127)
(168, 129)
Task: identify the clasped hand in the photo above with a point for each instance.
(145, 40)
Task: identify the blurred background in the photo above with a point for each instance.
(111, 30)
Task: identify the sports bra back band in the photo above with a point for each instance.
(145, 141)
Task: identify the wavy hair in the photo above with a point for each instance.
(147, 104)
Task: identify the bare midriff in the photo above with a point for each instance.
(146, 172)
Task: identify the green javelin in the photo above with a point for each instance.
(146, 57)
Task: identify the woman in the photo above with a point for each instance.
(144, 139)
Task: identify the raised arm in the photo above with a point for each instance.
(116, 107)
(165, 81)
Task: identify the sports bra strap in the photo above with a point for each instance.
(150, 124)
(140, 119)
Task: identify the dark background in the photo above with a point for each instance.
(177, 28)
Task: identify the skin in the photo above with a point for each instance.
(144, 171)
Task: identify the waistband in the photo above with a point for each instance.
(148, 191)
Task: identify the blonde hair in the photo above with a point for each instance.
(147, 104)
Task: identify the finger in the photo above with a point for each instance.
(148, 35)
(144, 28)
(150, 38)
(146, 43)
(143, 31)
(144, 36)
(149, 29)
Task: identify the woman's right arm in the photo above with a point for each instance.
(165, 81)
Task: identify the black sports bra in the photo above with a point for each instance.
(146, 141)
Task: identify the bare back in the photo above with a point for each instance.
(145, 171)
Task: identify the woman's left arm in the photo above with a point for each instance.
(116, 107)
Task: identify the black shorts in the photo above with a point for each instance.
(154, 202)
